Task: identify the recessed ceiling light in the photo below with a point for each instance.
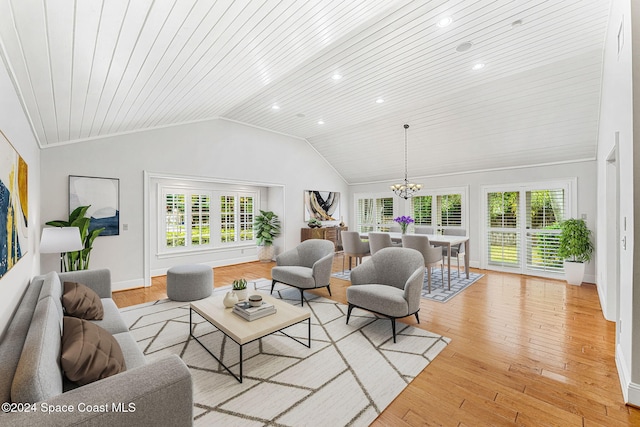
(320, 122)
(464, 46)
(300, 115)
(275, 107)
(336, 76)
(478, 66)
(444, 22)
(516, 23)
(379, 100)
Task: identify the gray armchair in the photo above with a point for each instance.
(307, 266)
(389, 285)
(432, 255)
(354, 247)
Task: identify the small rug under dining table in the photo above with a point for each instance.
(349, 376)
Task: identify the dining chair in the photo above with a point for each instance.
(456, 250)
(389, 284)
(423, 229)
(354, 247)
(395, 228)
(378, 240)
(432, 254)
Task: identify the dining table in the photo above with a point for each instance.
(444, 240)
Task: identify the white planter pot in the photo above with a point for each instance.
(266, 253)
(574, 272)
(241, 294)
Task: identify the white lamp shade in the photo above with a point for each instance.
(60, 239)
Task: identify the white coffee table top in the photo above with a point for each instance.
(243, 331)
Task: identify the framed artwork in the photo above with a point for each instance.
(103, 195)
(321, 205)
(14, 212)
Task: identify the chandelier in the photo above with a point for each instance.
(406, 189)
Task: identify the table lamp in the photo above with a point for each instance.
(60, 240)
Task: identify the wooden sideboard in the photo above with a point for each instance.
(326, 233)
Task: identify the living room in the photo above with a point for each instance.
(219, 151)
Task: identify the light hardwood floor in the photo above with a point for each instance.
(524, 351)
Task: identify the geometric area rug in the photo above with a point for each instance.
(439, 292)
(349, 376)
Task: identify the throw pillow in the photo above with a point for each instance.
(81, 301)
(89, 353)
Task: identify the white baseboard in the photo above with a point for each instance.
(630, 390)
(127, 284)
(212, 264)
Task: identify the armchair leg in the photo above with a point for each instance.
(417, 317)
(349, 312)
(393, 329)
(329, 289)
(273, 285)
(301, 298)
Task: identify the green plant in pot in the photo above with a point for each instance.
(240, 288)
(314, 223)
(266, 227)
(79, 260)
(575, 248)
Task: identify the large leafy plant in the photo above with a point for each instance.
(575, 241)
(266, 227)
(79, 260)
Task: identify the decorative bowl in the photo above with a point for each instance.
(255, 300)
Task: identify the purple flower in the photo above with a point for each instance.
(404, 220)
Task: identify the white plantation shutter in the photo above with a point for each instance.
(365, 215)
(503, 227)
(200, 219)
(449, 210)
(545, 210)
(384, 213)
(421, 207)
(374, 213)
(174, 220)
(246, 204)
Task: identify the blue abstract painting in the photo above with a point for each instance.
(102, 195)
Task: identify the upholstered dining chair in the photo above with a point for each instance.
(432, 254)
(354, 247)
(307, 266)
(423, 229)
(378, 241)
(389, 284)
(458, 250)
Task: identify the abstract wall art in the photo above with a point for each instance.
(103, 195)
(14, 212)
(321, 205)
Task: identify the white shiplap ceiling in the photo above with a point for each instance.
(92, 68)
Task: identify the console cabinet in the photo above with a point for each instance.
(326, 233)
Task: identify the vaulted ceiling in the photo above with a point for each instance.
(92, 68)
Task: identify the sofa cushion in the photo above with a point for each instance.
(15, 335)
(89, 353)
(38, 375)
(112, 320)
(133, 355)
(80, 301)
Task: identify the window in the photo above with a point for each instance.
(205, 219)
(374, 213)
(523, 227)
(439, 209)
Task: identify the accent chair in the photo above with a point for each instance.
(389, 284)
(432, 254)
(307, 266)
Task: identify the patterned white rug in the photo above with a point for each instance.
(439, 289)
(347, 377)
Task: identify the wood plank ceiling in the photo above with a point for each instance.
(92, 68)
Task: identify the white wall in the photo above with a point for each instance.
(14, 124)
(584, 171)
(216, 149)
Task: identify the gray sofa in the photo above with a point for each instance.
(146, 394)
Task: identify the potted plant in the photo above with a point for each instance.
(79, 260)
(266, 227)
(314, 223)
(576, 248)
(240, 287)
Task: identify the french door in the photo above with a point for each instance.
(522, 227)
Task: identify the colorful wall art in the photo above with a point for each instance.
(103, 195)
(321, 205)
(14, 212)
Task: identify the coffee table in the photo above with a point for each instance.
(242, 331)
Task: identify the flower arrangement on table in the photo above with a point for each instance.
(404, 222)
